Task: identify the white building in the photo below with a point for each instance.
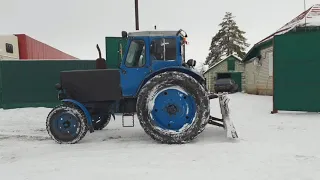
(9, 48)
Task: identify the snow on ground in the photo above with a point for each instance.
(271, 146)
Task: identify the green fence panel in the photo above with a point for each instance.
(114, 47)
(32, 83)
(296, 72)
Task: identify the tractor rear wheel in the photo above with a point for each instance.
(173, 108)
(66, 124)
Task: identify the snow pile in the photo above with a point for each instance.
(205, 67)
(271, 147)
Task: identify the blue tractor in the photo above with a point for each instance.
(153, 81)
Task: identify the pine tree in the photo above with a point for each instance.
(228, 40)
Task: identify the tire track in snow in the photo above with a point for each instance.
(24, 137)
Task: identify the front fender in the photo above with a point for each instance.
(188, 71)
(85, 111)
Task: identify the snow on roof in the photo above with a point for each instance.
(310, 17)
(216, 64)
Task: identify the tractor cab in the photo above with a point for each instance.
(158, 49)
(148, 52)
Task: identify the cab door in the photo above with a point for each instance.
(135, 66)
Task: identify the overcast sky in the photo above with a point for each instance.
(76, 26)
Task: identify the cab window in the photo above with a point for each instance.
(136, 54)
(163, 49)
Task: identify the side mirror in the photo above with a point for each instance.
(124, 34)
(191, 63)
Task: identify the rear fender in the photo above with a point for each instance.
(85, 111)
(194, 74)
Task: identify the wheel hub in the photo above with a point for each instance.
(66, 124)
(172, 109)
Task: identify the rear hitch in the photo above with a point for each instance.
(213, 96)
(225, 121)
(216, 121)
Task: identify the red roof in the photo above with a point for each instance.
(30, 48)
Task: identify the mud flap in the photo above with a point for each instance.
(228, 125)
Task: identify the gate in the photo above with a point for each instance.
(296, 72)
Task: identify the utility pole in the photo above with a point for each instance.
(136, 5)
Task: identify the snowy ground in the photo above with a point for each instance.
(280, 146)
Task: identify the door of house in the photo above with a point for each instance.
(236, 76)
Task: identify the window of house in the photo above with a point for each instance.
(136, 54)
(9, 48)
(163, 49)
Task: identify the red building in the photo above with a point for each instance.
(24, 47)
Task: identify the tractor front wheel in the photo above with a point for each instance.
(100, 122)
(173, 108)
(66, 124)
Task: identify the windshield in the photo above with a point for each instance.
(163, 49)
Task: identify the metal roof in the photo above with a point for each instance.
(308, 18)
(153, 33)
(217, 63)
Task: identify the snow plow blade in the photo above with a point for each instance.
(225, 122)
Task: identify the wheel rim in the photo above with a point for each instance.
(66, 126)
(173, 109)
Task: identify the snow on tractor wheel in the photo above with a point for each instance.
(66, 124)
(173, 108)
(100, 122)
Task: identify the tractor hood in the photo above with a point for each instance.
(94, 85)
